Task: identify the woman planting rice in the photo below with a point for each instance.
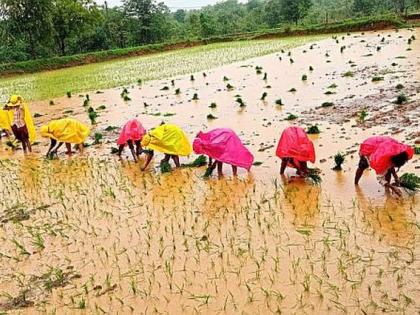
(20, 121)
(5, 127)
(224, 146)
(131, 135)
(68, 131)
(168, 139)
(384, 155)
(295, 149)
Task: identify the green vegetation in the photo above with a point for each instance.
(410, 181)
(116, 73)
(362, 116)
(314, 176)
(348, 74)
(339, 159)
(198, 162)
(279, 102)
(211, 117)
(327, 104)
(165, 167)
(401, 99)
(377, 79)
(313, 130)
(98, 138)
(291, 117)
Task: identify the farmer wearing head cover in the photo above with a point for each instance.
(168, 139)
(295, 149)
(384, 155)
(5, 127)
(20, 121)
(131, 134)
(68, 131)
(224, 146)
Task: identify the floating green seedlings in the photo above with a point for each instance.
(257, 163)
(291, 60)
(114, 150)
(313, 130)
(339, 160)
(37, 115)
(211, 117)
(169, 114)
(240, 102)
(329, 93)
(401, 99)
(342, 48)
(291, 117)
(332, 86)
(173, 82)
(417, 150)
(111, 128)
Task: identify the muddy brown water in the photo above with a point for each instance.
(143, 242)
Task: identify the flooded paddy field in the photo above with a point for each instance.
(94, 234)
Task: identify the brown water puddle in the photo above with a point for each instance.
(144, 242)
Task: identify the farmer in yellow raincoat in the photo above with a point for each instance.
(68, 131)
(168, 139)
(20, 121)
(5, 127)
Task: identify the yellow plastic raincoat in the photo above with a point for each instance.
(66, 130)
(16, 100)
(4, 120)
(168, 139)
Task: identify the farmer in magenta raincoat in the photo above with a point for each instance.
(384, 155)
(223, 146)
(295, 149)
(131, 135)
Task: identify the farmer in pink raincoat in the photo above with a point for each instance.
(295, 149)
(131, 134)
(384, 155)
(223, 146)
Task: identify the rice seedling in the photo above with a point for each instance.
(264, 96)
(213, 105)
(165, 167)
(37, 115)
(342, 48)
(195, 97)
(98, 138)
(401, 99)
(292, 90)
(165, 88)
(399, 86)
(410, 181)
(240, 102)
(198, 162)
(291, 117)
(311, 68)
(102, 107)
(229, 87)
(417, 150)
(265, 76)
(111, 128)
(377, 78)
(177, 91)
(92, 115)
(225, 78)
(192, 78)
(279, 102)
(329, 93)
(304, 77)
(333, 86)
(339, 159)
(209, 172)
(68, 94)
(52, 103)
(314, 176)
(291, 60)
(362, 116)
(211, 117)
(313, 130)
(348, 74)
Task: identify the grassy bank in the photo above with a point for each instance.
(361, 24)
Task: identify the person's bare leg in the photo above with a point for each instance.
(148, 160)
(68, 147)
(55, 151)
(28, 144)
(52, 145)
(219, 168)
(139, 149)
(283, 165)
(120, 149)
(235, 170)
(210, 162)
(133, 153)
(80, 146)
(363, 165)
(175, 158)
(166, 159)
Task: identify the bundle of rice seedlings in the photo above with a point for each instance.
(195, 97)
(213, 105)
(69, 94)
(339, 160)
(165, 167)
(279, 102)
(312, 130)
(209, 172)
(211, 117)
(304, 77)
(264, 95)
(98, 138)
(314, 176)
(198, 162)
(401, 99)
(291, 117)
(410, 181)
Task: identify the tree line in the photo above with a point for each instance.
(31, 29)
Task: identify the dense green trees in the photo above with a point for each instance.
(43, 28)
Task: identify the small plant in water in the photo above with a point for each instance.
(98, 137)
(264, 96)
(279, 102)
(195, 97)
(240, 102)
(312, 130)
(292, 90)
(311, 68)
(377, 79)
(211, 117)
(348, 74)
(213, 105)
(291, 117)
(165, 167)
(69, 94)
(314, 175)
(92, 115)
(362, 116)
(198, 162)
(410, 181)
(339, 160)
(401, 99)
(399, 86)
(304, 77)
(177, 91)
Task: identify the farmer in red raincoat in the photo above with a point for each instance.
(131, 135)
(295, 149)
(384, 155)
